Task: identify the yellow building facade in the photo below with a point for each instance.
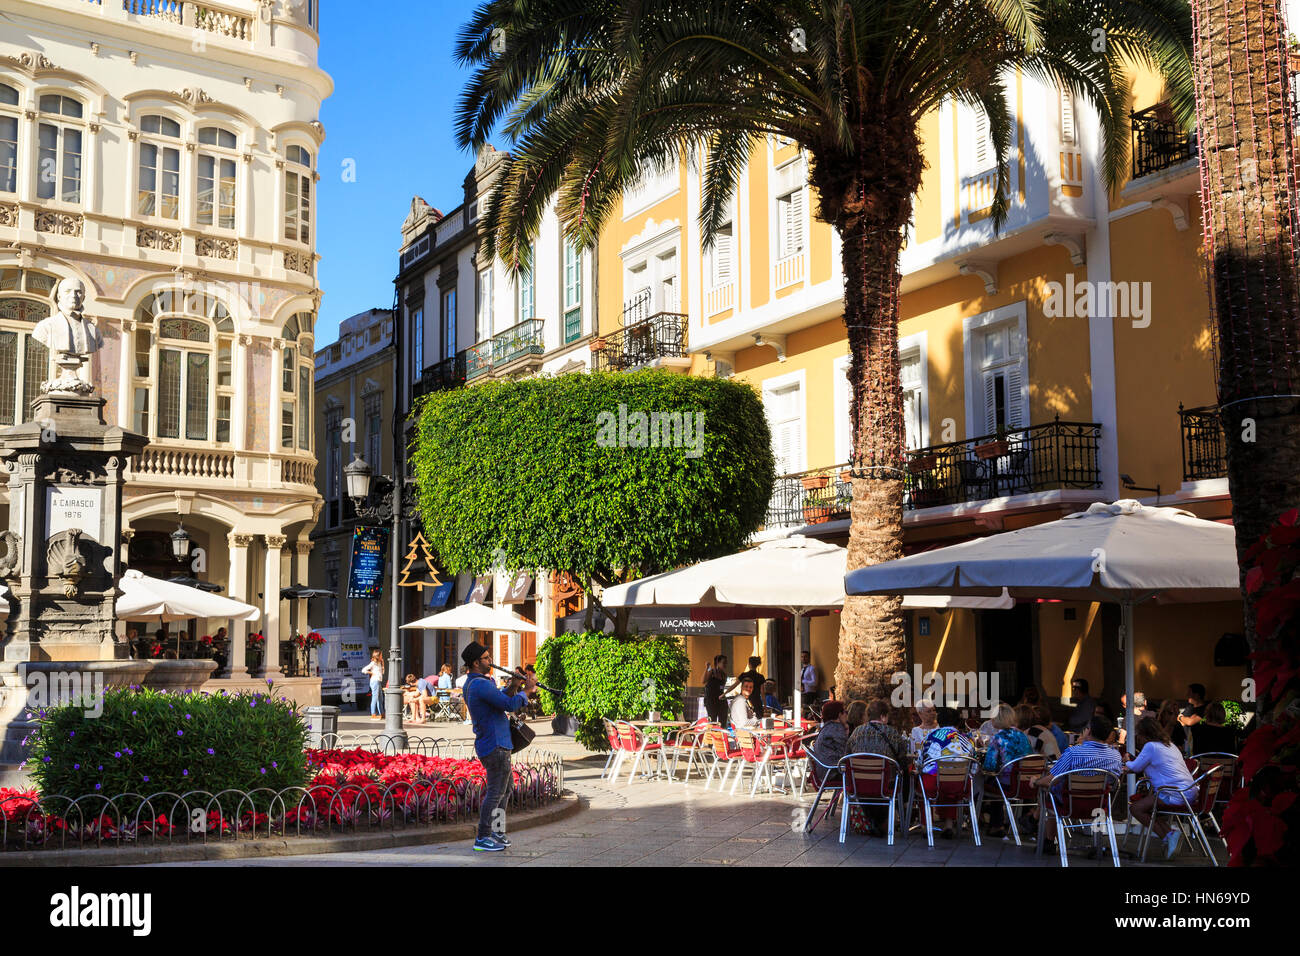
(1062, 360)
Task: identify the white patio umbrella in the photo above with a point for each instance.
(145, 597)
(1123, 553)
(474, 617)
(795, 574)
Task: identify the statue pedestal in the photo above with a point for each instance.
(60, 556)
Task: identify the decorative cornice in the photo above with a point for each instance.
(31, 63)
(193, 96)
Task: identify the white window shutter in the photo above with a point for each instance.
(1015, 379)
(722, 253)
(796, 221)
(1069, 131)
(990, 402)
(983, 141)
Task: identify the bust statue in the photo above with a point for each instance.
(69, 335)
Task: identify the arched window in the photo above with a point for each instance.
(9, 100)
(216, 177)
(159, 192)
(59, 151)
(24, 362)
(296, 373)
(297, 194)
(183, 354)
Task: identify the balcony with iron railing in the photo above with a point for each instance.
(518, 348)
(1050, 457)
(444, 375)
(1205, 455)
(661, 335)
(1158, 142)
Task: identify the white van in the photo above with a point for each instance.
(340, 659)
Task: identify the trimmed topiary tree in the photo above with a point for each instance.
(603, 675)
(608, 476)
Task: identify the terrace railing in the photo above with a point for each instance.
(447, 374)
(1204, 449)
(662, 335)
(1158, 143)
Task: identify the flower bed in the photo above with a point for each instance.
(347, 790)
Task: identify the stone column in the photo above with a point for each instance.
(271, 595)
(239, 424)
(303, 549)
(125, 369)
(238, 590)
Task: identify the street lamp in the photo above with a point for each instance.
(379, 499)
(180, 543)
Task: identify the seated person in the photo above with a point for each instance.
(742, 711)
(1211, 736)
(1085, 706)
(927, 719)
(1006, 744)
(1090, 753)
(833, 737)
(412, 694)
(876, 736)
(1163, 765)
(770, 702)
(1041, 733)
(950, 739)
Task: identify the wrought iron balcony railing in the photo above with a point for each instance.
(1158, 143)
(1204, 448)
(517, 342)
(447, 374)
(1048, 457)
(662, 335)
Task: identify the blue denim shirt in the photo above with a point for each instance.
(488, 707)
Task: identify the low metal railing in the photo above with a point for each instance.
(1205, 454)
(1158, 143)
(444, 375)
(662, 335)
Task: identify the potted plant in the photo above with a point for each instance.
(598, 344)
(920, 464)
(846, 475)
(815, 512)
(815, 482)
(996, 448)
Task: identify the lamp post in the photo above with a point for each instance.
(180, 543)
(378, 498)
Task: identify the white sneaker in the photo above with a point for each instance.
(1172, 839)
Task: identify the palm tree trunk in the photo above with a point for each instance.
(873, 641)
(1248, 191)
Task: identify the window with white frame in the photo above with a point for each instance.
(296, 372)
(483, 314)
(998, 387)
(184, 344)
(722, 257)
(60, 135)
(416, 315)
(527, 289)
(789, 223)
(24, 362)
(158, 191)
(216, 177)
(9, 115)
(783, 402)
(572, 291)
(651, 278)
(297, 194)
(374, 410)
(911, 376)
(843, 398)
(333, 464)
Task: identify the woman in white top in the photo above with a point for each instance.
(375, 670)
(927, 720)
(1162, 764)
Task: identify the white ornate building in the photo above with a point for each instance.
(165, 153)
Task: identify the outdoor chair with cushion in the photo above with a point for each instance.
(1173, 803)
(1229, 782)
(1085, 805)
(688, 742)
(870, 780)
(824, 777)
(615, 750)
(1019, 792)
(757, 753)
(725, 752)
(635, 742)
(950, 786)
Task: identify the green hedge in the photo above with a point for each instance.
(148, 741)
(615, 677)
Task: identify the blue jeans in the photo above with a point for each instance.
(497, 765)
(376, 699)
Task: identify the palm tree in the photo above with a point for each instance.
(592, 93)
(1248, 190)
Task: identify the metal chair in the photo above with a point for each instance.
(1191, 811)
(1087, 799)
(953, 783)
(725, 752)
(690, 741)
(823, 776)
(869, 780)
(635, 742)
(443, 702)
(1019, 791)
(1228, 783)
(615, 749)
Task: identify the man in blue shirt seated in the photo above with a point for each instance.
(488, 707)
(1090, 753)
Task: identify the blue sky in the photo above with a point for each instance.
(396, 84)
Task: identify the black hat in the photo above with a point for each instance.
(473, 652)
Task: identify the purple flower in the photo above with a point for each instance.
(47, 760)
(146, 779)
(101, 766)
(185, 773)
(180, 733)
(263, 770)
(274, 764)
(187, 716)
(72, 733)
(99, 786)
(118, 754)
(134, 712)
(211, 751)
(130, 752)
(76, 766)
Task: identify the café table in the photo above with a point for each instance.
(773, 736)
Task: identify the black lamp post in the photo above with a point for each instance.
(379, 499)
